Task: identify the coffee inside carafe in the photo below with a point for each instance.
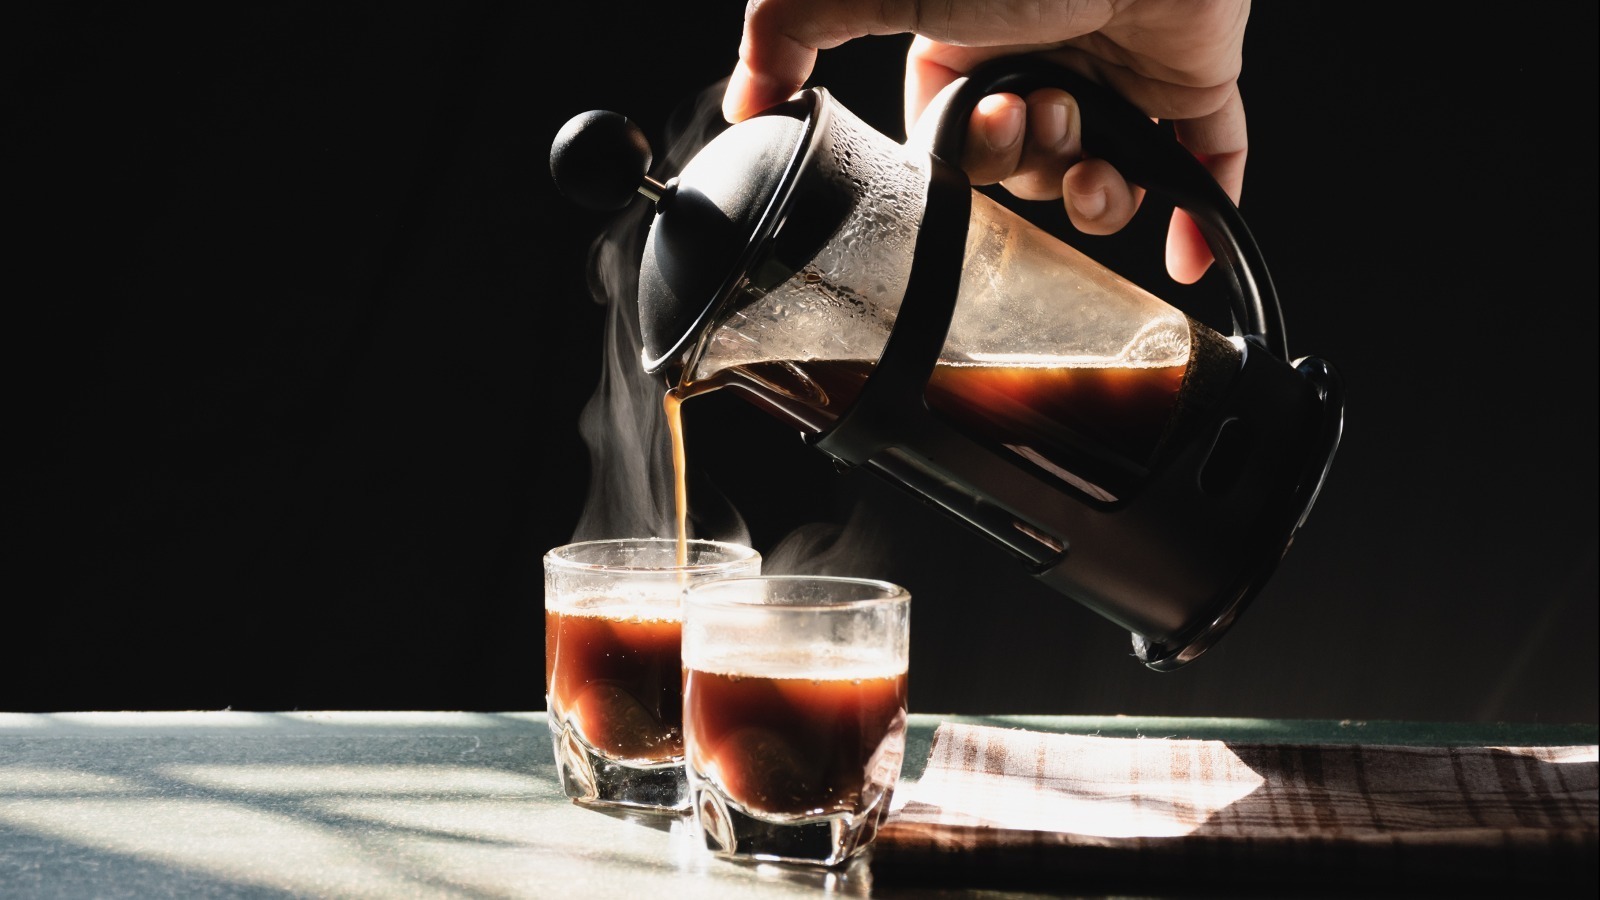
(1050, 357)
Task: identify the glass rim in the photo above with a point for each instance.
(737, 554)
(701, 593)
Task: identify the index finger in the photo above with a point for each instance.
(781, 40)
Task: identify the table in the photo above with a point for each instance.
(433, 804)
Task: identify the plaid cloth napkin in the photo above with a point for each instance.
(998, 804)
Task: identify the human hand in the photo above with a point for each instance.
(1177, 60)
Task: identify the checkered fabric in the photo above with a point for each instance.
(1064, 808)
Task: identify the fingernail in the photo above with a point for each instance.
(1050, 124)
(1005, 132)
(735, 97)
(750, 92)
(1090, 205)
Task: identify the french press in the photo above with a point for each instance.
(1133, 458)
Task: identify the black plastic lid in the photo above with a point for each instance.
(750, 207)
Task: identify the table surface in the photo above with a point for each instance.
(436, 804)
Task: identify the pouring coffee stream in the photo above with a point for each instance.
(860, 290)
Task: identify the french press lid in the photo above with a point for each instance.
(749, 209)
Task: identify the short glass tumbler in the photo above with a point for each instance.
(613, 669)
(794, 713)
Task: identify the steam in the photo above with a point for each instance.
(623, 424)
(625, 427)
(630, 455)
(822, 548)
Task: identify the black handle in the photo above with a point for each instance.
(1146, 154)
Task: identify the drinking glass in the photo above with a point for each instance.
(613, 670)
(794, 713)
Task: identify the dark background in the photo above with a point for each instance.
(300, 333)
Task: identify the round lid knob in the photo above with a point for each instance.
(599, 159)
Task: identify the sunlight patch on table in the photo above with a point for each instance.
(366, 780)
(227, 841)
(20, 781)
(486, 844)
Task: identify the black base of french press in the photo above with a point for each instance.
(1174, 653)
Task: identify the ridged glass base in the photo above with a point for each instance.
(591, 779)
(730, 830)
